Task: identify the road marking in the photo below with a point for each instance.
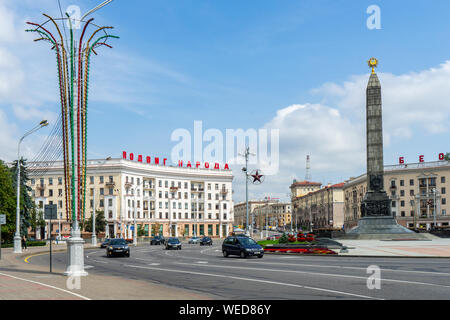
(256, 280)
(34, 255)
(154, 264)
(344, 267)
(320, 274)
(99, 261)
(144, 259)
(46, 285)
(202, 261)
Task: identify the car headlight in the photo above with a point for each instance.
(248, 249)
(110, 248)
(126, 247)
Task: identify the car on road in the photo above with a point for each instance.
(241, 246)
(194, 240)
(156, 240)
(105, 243)
(274, 237)
(118, 247)
(173, 243)
(206, 241)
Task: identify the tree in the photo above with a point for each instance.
(7, 202)
(26, 202)
(447, 156)
(155, 228)
(37, 219)
(140, 231)
(100, 222)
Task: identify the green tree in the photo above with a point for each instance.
(100, 222)
(26, 202)
(155, 228)
(7, 202)
(447, 156)
(37, 219)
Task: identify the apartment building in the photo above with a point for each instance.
(418, 192)
(161, 199)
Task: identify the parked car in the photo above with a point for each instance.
(173, 243)
(206, 241)
(156, 240)
(241, 246)
(118, 247)
(105, 243)
(194, 240)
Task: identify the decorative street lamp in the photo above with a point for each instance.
(73, 66)
(17, 238)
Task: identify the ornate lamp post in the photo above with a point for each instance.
(73, 65)
(17, 237)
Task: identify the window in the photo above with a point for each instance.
(160, 183)
(402, 193)
(185, 185)
(442, 179)
(138, 181)
(60, 180)
(166, 183)
(402, 183)
(443, 190)
(393, 204)
(101, 179)
(102, 191)
(59, 192)
(402, 204)
(60, 204)
(411, 192)
(101, 203)
(33, 181)
(209, 186)
(110, 190)
(50, 193)
(411, 182)
(50, 181)
(444, 201)
(217, 186)
(444, 212)
(110, 202)
(402, 213)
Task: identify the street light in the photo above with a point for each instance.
(17, 238)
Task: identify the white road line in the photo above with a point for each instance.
(256, 280)
(144, 259)
(99, 261)
(318, 274)
(344, 267)
(46, 285)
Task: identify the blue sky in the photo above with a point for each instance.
(235, 64)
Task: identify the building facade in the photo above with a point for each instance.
(276, 215)
(240, 211)
(166, 200)
(418, 194)
(319, 208)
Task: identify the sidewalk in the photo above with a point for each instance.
(383, 248)
(20, 280)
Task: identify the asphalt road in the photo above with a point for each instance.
(204, 270)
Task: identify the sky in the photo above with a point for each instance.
(299, 67)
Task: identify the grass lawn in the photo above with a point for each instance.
(266, 242)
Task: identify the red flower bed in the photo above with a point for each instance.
(302, 250)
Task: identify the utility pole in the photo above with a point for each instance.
(245, 170)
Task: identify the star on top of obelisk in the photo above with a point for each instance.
(373, 63)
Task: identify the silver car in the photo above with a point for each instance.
(194, 240)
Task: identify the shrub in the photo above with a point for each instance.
(283, 239)
(36, 243)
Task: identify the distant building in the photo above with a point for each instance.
(276, 215)
(315, 207)
(417, 191)
(240, 211)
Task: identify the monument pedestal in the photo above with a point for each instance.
(75, 252)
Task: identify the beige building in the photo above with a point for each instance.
(240, 211)
(276, 215)
(174, 200)
(316, 207)
(417, 191)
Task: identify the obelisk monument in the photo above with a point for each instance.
(376, 215)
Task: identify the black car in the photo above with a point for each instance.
(118, 247)
(241, 246)
(206, 241)
(105, 243)
(157, 240)
(173, 243)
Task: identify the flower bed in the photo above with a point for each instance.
(312, 250)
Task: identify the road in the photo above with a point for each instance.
(204, 270)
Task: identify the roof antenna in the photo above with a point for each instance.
(308, 169)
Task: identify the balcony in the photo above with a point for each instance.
(128, 184)
(41, 186)
(224, 191)
(110, 184)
